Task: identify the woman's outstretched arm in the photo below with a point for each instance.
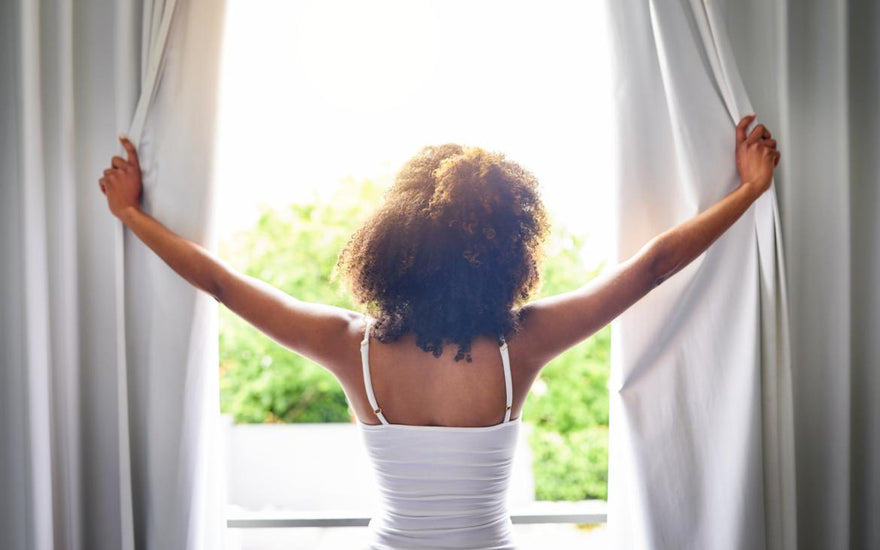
(306, 328)
(756, 158)
(559, 322)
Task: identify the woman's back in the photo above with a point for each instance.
(441, 486)
(416, 388)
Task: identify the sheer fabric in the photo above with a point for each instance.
(701, 450)
(707, 451)
(108, 390)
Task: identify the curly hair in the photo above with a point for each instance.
(455, 246)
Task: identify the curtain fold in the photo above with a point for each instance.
(108, 391)
(805, 467)
(702, 434)
(814, 68)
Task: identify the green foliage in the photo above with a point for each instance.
(295, 249)
(571, 465)
(568, 404)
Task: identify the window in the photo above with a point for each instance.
(320, 103)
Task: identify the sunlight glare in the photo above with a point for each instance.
(316, 91)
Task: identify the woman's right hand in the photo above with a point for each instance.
(756, 155)
(121, 183)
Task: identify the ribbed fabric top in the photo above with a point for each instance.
(440, 487)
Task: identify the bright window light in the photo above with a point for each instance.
(313, 92)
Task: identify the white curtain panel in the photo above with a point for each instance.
(108, 387)
(702, 450)
(812, 68)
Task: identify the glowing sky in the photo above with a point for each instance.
(313, 92)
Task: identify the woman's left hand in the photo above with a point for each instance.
(121, 182)
(756, 155)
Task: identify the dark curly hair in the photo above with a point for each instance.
(456, 244)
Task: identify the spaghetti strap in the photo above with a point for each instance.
(368, 382)
(365, 362)
(508, 385)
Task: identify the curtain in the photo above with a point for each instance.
(814, 68)
(734, 424)
(701, 445)
(108, 391)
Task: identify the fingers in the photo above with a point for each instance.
(771, 143)
(109, 175)
(771, 154)
(119, 162)
(759, 132)
(741, 127)
(119, 166)
(132, 153)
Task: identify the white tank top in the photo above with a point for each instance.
(440, 487)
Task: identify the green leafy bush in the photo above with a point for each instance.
(572, 465)
(295, 248)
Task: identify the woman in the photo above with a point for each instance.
(448, 260)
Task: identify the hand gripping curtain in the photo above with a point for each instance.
(167, 366)
(109, 394)
(701, 450)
